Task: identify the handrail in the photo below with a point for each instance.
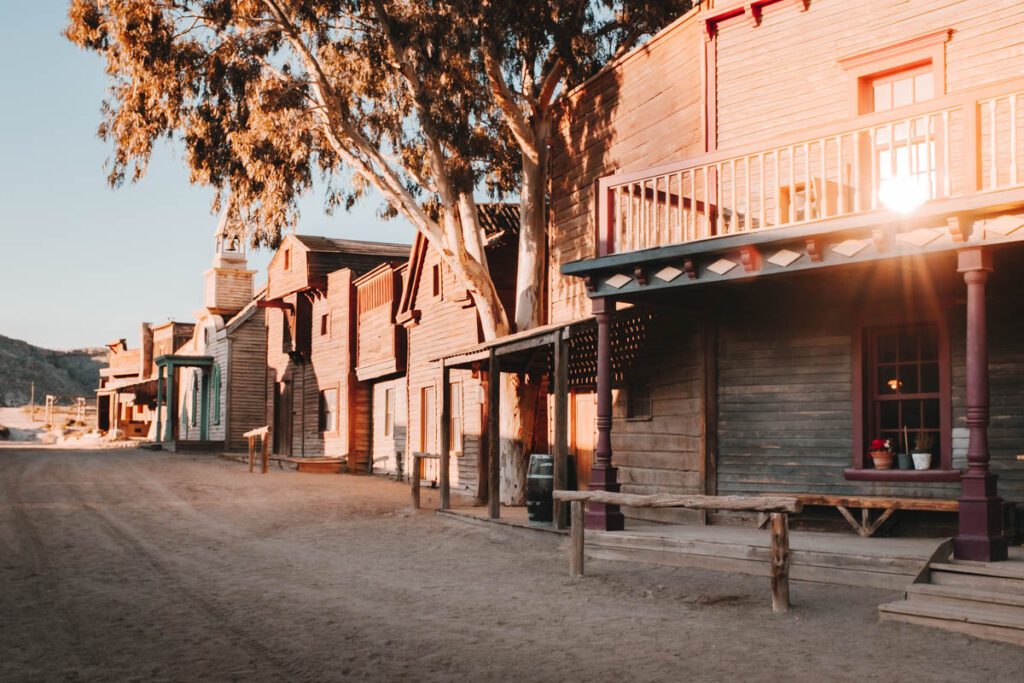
(778, 508)
(950, 146)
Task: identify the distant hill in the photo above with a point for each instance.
(65, 374)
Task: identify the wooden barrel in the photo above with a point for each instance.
(540, 479)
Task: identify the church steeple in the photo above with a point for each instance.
(228, 282)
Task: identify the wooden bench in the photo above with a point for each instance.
(414, 475)
(866, 527)
(263, 434)
(778, 508)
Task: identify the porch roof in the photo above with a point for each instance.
(175, 361)
(938, 226)
(515, 350)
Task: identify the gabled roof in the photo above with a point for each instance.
(499, 220)
(338, 246)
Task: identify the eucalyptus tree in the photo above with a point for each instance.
(428, 102)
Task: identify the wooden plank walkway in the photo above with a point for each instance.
(835, 558)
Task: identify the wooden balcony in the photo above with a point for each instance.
(951, 147)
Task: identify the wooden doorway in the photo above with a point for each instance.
(283, 419)
(583, 434)
(430, 469)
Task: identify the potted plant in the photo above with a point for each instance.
(923, 443)
(903, 458)
(881, 454)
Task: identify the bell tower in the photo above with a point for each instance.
(229, 281)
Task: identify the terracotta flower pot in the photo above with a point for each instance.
(882, 459)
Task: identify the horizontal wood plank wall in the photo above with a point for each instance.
(380, 342)
(218, 348)
(663, 454)
(331, 360)
(644, 111)
(784, 75)
(245, 393)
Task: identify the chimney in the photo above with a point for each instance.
(145, 350)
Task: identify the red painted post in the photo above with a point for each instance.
(980, 537)
(603, 476)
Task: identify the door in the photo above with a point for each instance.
(429, 469)
(583, 435)
(283, 419)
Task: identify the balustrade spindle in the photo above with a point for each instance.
(1013, 139)
(946, 161)
(993, 170)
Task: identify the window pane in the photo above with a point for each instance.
(923, 87)
(883, 96)
(889, 415)
(929, 378)
(908, 379)
(908, 345)
(929, 343)
(887, 347)
(888, 380)
(931, 413)
(903, 92)
(911, 414)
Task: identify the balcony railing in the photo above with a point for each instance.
(944, 148)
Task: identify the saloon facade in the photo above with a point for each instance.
(822, 204)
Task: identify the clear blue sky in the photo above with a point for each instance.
(82, 264)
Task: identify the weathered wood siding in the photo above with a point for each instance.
(643, 111)
(245, 379)
(665, 453)
(380, 342)
(785, 75)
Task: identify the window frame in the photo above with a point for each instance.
(860, 389)
(322, 423)
(632, 391)
(389, 411)
(456, 418)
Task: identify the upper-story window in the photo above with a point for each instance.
(287, 259)
(903, 87)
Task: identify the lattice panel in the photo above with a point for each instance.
(629, 338)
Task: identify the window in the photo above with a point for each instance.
(428, 421)
(325, 324)
(288, 259)
(906, 392)
(389, 412)
(455, 411)
(901, 88)
(195, 398)
(328, 410)
(638, 402)
(436, 288)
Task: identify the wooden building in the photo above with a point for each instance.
(315, 404)
(121, 400)
(380, 362)
(440, 318)
(816, 211)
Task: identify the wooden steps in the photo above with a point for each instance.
(823, 558)
(984, 600)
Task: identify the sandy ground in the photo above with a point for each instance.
(135, 565)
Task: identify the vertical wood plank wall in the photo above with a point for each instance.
(245, 392)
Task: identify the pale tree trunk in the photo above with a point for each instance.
(519, 397)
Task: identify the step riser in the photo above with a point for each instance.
(1008, 611)
(986, 583)
(1006, 635)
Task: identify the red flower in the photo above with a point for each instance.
(878, 445)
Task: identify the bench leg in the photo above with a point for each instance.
(252, 453)
(780, 561)
(576, 539)
(415, 483)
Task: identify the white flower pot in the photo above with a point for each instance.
(922, 461)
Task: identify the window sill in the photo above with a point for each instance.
(902, 475)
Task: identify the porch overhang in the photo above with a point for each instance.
(986, 219)
(516, 351)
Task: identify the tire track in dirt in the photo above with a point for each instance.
(215, 610)
(50, 593)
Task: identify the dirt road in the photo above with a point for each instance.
(133, 565)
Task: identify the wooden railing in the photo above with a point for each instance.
(949, 147)
(777, 508)
(263, 434)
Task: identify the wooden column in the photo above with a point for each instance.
(980, 537)
(560, 448)
(446, 438)
(603, 476)
(576, 535)
(494, 436)
(159, 393)
(172, 412)
(780, 561)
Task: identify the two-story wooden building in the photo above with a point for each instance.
(315, 404)
(821, 205)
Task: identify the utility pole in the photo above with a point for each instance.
(32, 400)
